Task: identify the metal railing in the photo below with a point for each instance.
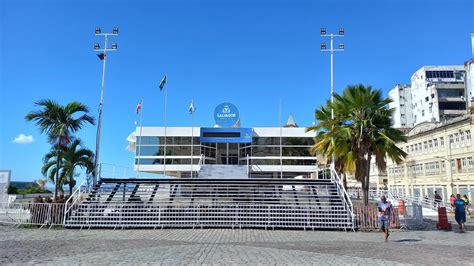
(425, 202)
(233, 215)
(75, 198)
(274, 203)
(38, 214)
(113, 171)
(367, 217)
(343, 193)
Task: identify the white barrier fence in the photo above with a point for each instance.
(40, 214)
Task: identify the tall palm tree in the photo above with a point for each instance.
(50, 168)
(74, 155)
(361, 129)
(60, 123)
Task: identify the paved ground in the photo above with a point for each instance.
(222, 246)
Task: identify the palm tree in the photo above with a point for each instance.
(361, 129)
(60, 123)
(50, 168)
(73, 156)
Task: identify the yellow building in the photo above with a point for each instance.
(440, 158)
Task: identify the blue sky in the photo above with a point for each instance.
(251, 53)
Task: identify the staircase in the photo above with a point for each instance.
(223, 171)
(222, 202)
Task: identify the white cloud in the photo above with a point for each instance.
(24, 139)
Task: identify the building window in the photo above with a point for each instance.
(464, 163)
(435, 142)
(425, 145)
(430, 144)
(422, 112)
(451, 139)
(470, 162)
(456, 137)
(468, 137)
(441, 141)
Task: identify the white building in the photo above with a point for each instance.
(438, 93)
(469, 66)
(225, 150)
(401, 103)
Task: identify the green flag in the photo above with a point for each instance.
(162, 83)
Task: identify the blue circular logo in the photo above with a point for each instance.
(226, 114)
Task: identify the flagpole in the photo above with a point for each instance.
(140, 139)
(166, 108)
(192, 137)
(281, 147)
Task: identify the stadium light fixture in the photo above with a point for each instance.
(341, 31)
(102, 56)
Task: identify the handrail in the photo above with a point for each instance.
(200, 163)
(429, 203)
(77, 191)
(345, 195)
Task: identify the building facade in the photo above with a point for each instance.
(469, 67)
(401, 103)
(438, 93)
(440, 158)
(238, 152)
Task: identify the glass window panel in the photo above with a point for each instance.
(145, 140)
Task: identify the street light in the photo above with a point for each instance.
(332, 50)
(103, 57)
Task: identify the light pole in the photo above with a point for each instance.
(102, 56)
(332, 50)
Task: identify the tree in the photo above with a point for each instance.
(75, 156)
(361, 128)
(72, 156)
(59, 123)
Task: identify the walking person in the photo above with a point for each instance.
(466, 199)
(452, 198)
(438, 199)
(384, 208)
(460, 212)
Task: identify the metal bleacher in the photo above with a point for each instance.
(204, 203)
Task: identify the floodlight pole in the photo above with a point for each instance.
(101, 105)
(332, 50)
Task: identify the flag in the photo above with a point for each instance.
(192, 108)
(139, 106)
(162, 83)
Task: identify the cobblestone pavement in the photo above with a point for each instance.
(225, 246)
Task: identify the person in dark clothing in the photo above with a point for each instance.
(460, 212)
(437, 199)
